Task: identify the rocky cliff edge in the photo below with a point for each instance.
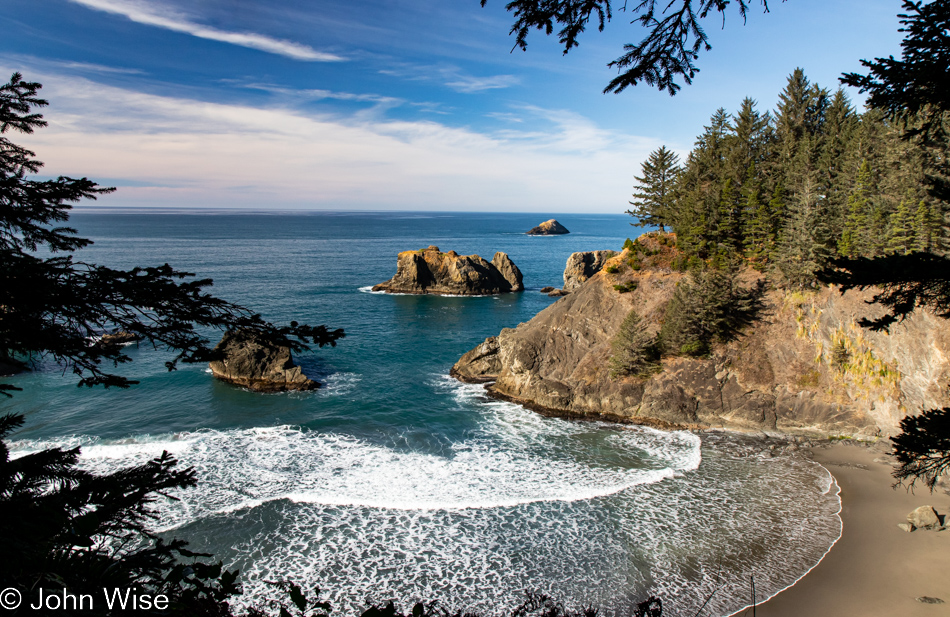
(804, 367)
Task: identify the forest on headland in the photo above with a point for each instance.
(790, 190)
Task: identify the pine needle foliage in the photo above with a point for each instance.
(635, 349)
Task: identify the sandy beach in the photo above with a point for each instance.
(875, 568)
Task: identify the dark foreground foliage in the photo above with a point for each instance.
(53, 304)
(923, 448)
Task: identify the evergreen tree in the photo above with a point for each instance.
(806, 244)
(653, 194)
(855, 239)
(925, 227)
(900, 231)
(635, 350)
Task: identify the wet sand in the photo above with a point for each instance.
(875, 568)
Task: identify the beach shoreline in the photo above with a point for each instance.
(874, 568)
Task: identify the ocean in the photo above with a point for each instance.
(394, 481)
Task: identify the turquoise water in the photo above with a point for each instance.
(394, 480)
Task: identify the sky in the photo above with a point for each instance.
(388, 104)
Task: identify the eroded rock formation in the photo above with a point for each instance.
(548, 228)
(804, 366)
(259, 365)
(581, 266)
(430, 271)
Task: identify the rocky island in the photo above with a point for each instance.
(548, 228)
(803, 365)
(430, 271)
(259, 365)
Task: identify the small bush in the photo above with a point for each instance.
(627, 287)
(628, 244)
(612, 269)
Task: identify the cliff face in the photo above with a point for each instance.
(431, 271)
(804, 366)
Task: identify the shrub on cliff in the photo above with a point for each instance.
(708, 306)
(635, 349)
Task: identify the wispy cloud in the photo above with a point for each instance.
(163, 17)
(452, 77)
(470, 83)
(172, 151)
(99, 68)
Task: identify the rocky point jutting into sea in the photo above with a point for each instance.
(805, 365)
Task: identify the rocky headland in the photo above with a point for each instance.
(548, 228)
(804, 366)
(249, 361)
(430, 271)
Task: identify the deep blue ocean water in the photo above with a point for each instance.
(395, 481)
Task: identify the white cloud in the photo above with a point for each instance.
(470, 83)
(179, 152)
(162, 17)
(452, 77)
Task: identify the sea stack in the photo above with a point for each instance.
(430, 271)
(548, 228)
(252, 362)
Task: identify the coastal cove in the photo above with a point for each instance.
(393, 480)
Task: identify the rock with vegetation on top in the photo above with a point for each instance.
(581, 266)
(548, 228)
(430, 271)
(804, 366)
(257, 364)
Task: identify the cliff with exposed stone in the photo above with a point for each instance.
(430, 271)
(804, 366)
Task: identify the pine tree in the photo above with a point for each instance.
(635, 350)
(900, 231)
(924, 227)
(653, 194)
(806, 243)
(854, 237)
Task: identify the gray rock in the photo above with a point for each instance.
(581, 266)
(479, 365)
(906, 527)
(430, 271)
(924, 517)
(930, 600)
(545, 290)
(557, 293)
(257, 364)
(548, 228)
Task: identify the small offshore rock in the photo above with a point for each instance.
(119, 337)
(250, 361)
(906, 527)
(924, 517)
(548, 228)
(546, 290)
(930, 600)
